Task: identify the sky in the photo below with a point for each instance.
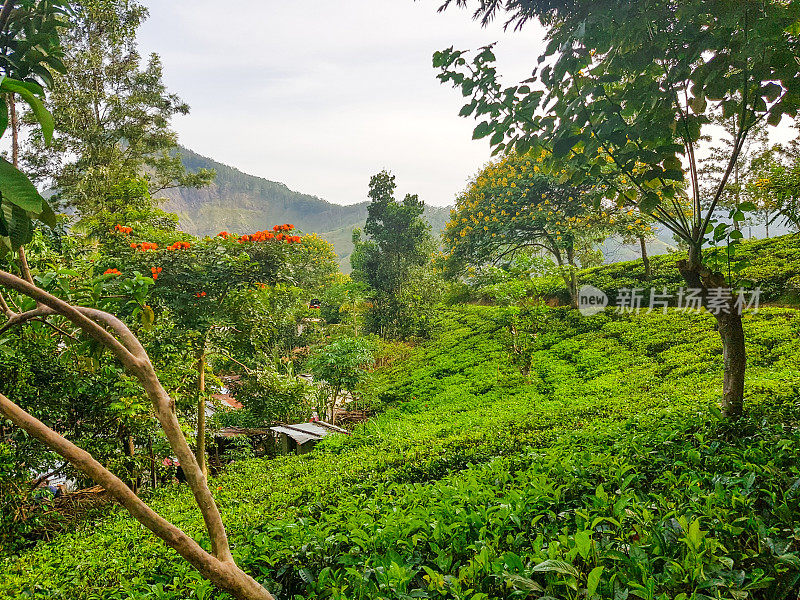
(322, 95)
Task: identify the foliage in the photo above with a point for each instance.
(480, 478)
(340, 366)
(399, 240)
(271, 397)
(112, 115)
(30, 54)
(621, 96)
(780, 183)
(770, 264)
(512, 205)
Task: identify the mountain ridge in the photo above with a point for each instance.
(239, 202)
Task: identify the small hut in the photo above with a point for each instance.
(302, 437)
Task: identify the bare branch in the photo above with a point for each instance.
(224, 574)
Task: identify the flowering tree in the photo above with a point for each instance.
(194, 279)
(512, 205)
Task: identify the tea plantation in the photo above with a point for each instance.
(578, 458)
(773, 264)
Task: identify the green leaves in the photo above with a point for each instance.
(19, 203)
(481, 131)
(17, 189)
(31, 94)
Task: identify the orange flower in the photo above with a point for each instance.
(179, 246)
(114, 272)
(144, 246)
(123, 229)
(155, 271)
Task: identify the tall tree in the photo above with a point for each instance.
(112, 114)
(399, 240)
(623, 94)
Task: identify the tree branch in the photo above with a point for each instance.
(8, 6)
(224, 574)
(218, 567)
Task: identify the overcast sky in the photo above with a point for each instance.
(321, 95)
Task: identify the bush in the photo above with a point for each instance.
(606, 468)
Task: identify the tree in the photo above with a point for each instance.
(511, 205)
(112, 115)
(622, 95)
(193, 281)
(399, 240)
(340, 365)
(19, 204)
(775, 185)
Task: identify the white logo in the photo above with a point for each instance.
(591, 300)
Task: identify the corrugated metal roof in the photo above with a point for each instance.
(306, 432)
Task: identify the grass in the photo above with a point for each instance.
(603, 469)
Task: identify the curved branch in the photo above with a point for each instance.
(219, 567)
(223, 574)
(15, 319)
(76, 316)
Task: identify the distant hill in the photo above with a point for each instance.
(242, 203)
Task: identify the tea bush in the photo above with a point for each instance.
(530, 453)
(773, 263)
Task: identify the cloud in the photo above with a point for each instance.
(321, 95)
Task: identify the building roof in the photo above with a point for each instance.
(227, 400)
(307, 432)
(230, 432)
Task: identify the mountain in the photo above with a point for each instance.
(241, 203)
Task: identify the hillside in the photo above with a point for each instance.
(604, 468)
(239, 202)
(772, 264)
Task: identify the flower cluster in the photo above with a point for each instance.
(123, 229)
(114, 272)
(179, 246)
(144, 246)
(266, 236)
(155, 271)
(225, 235)
(200, 294)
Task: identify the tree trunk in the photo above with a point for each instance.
(153, 467)
(729, 326)
(568, 275)
(648, 272)
(735, 361)
(130, 452)
(333, 406)
(201, 413)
